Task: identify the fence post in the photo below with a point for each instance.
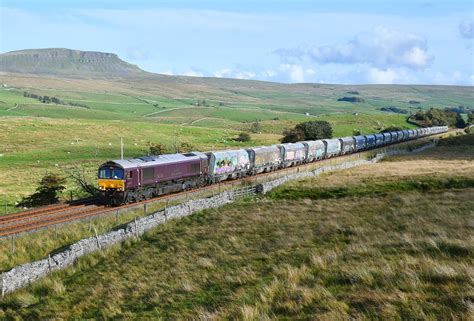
(3, 285)
(49, 263)
(13, 244)
(144, 209)
(97, 238)
(136, 227)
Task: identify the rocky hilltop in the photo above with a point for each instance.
(67, 62)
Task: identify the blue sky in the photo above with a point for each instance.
(350, 42)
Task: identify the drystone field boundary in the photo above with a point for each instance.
(24, 274)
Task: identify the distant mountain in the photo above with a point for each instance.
(67, 62)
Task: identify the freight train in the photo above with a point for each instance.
(136, 179)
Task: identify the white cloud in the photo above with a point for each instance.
(223, 73)
(466, 29)
(378, 76)
(193, 73)
(166, 72)
(245, 75)
(417, 57)
(295, 72)
(380, 48)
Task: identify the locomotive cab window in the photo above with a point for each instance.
(111, 173)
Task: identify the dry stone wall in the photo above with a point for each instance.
(24, 274)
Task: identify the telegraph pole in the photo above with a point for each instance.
(121, 148)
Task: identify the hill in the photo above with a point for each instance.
(66, 62)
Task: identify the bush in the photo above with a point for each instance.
(255, 127)
(243, 137)
(46, 193)
(352, 99)
(439, 117)
(183, 147)
(157, 149)
(391, 129)
(310, 130)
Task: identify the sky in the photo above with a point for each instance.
(339, 41)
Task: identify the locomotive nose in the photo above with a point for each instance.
(115, 184)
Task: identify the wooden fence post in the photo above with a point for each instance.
(49, 263)
(13, 244)
(136, 227)
(3, 285)
(97, 238)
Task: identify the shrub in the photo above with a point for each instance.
(310, 130)
(352, 99)
(391, 129)
(46, 193)
(255, 127)
(439, 117)
(243, 137)
(157, 149)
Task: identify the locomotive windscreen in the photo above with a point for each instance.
(111, 173)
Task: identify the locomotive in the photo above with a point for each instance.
(136, 179)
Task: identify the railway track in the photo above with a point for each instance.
(34, 219)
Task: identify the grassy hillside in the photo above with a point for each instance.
(100, 98)
(391, 252)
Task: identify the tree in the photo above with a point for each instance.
(243, 137)
(78, 175)
(292, 136)
(310, 130)
(439, 117)
(355, 132)
(459, 121)
(46, 193)
(470, 118)
(313, 130)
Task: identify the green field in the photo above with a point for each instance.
(36, 138)
(385, 241)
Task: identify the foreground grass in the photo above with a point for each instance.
(406, 256)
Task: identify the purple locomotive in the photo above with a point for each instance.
(136, 179)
